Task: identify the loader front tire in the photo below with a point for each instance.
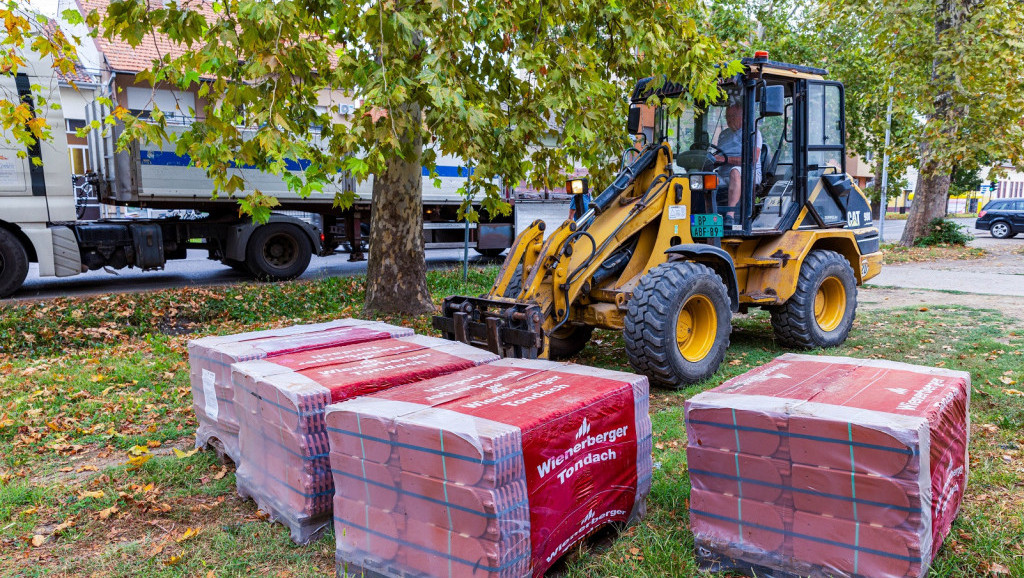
(678, 323)
(821, 311)
(568, 341)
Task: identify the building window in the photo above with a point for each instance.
(78, 156)
(73, 124)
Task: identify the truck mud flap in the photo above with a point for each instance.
(507, 328)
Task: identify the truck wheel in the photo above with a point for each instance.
(678, 323)
(1000, 230)
(568, 341)
(277, 252)
(821, 312)
(13, 263)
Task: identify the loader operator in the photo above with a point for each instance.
(730, 144)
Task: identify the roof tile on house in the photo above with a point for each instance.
(123, 57)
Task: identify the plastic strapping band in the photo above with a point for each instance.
(853, 493)
(739, 481)
(362, 462)
(471, 460)
(451, 527)
(484, 514)
(907, 451)
(792, 488)
(818, 539)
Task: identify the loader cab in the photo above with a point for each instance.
(788, 150)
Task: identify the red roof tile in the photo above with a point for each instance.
(122, 56)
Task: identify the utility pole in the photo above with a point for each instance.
(885, 168)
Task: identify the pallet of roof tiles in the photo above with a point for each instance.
(828, 466)
(493, 471)
(210, 360)
(283, 444)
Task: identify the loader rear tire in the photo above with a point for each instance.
(821, 311)
(678, 323)
(13, 263)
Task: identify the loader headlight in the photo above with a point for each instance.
(703, 182)
(577, 186)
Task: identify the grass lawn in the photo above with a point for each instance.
(97, 476)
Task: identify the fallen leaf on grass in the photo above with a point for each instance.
(182, 455)
(87, 469)
(108, 512)
(220, 475)
(997, 569)
(38, 540)
(95, 495)
(172, 561)
(189, 534)
(138, 450)
(137, 462)
(64, 525)
(29, 511)
(1013, 392)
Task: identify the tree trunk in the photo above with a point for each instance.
(396, 274)
(931, 196)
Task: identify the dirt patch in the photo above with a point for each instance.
(80, 466)
(874, 298)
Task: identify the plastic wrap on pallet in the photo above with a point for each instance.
(815, 465)
(493, 471)
(283, 445)
(210, 360)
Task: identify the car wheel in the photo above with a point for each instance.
(1001, 230)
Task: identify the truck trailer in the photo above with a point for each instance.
(39, 222)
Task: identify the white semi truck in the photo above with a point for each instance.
(38, 214)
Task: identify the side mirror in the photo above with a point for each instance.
(772, 100)
(633, 121)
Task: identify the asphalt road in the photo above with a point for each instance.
(199, 271)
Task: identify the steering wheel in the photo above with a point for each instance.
(714, 150)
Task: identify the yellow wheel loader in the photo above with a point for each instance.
(741, 203)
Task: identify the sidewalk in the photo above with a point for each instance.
(1000, 272)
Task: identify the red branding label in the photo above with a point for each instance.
(579, 444)
(346, 354)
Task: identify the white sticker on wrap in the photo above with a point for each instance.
(210, 393)
(676, 212)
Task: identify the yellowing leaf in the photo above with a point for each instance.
(97, 378)
(94, 495)
(29, 511)
(137, 461)
(172, 561)
(148, 487)
(182, 455)
(64, 525)
(1013, 392)
(108, 512)
(153, 444)
(189, 534)
(138, 450)
(38, 540)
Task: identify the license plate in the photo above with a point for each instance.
(705, 225)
